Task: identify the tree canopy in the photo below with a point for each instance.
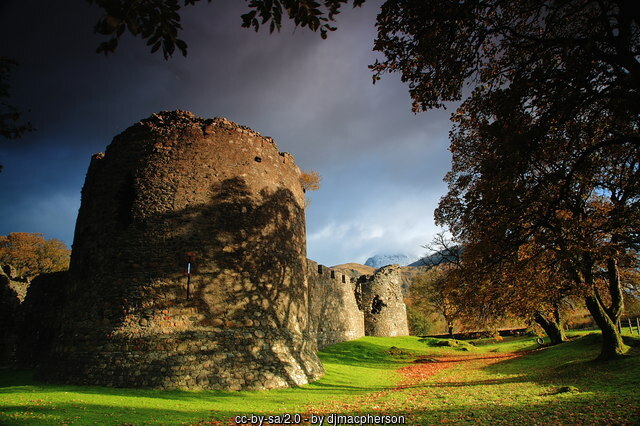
(561, 48)
(310, 180)
(32, 255)
(437, 290)
(546, 154)
(11, 124)
(158, 21)
(546, 147)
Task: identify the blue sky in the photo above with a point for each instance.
(382, 165)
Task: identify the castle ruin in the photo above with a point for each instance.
(189, 269)
(333, 311)
(346, 306)
(188, 263)
(380, 298)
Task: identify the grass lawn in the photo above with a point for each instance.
(489, 382)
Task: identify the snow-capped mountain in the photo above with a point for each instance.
(380, 260)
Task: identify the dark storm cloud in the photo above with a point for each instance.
(382, 165)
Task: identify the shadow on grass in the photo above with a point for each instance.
(360, 354)
(572, 409)
(10, 378)
(42, 412)
(12, 381)
(29, 401)
(496, 382)
(324, 387)
(572, 363)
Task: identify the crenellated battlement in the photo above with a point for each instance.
(330, 273)
(333, 312)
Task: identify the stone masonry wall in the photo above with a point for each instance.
(13, 290)
(380, 297)
(40, 318)
(333, 312)
(9, 317)
(175, 187)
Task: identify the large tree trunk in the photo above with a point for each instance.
(450, 327)
(612, 345)
(552, 326)
(607, 317)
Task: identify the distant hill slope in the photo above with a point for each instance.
(409, 273)
(357, 268)
(438, 257)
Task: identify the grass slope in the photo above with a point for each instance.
(557, 385)
(363, 377)
(357, 267)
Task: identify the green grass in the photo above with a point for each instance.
(353, 368)
(360, 377)
(558, 384)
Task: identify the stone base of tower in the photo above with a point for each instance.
(239, 359)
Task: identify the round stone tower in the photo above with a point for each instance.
(380, 298)
(188, 264)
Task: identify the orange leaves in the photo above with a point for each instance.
(310, 180)
(564, 215)
(31, 254)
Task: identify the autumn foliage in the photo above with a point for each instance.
(31, 254)
(310, 180)
(436, 290)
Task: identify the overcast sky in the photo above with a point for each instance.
(382, 166)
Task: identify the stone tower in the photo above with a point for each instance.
(380, 298)
(177, 193)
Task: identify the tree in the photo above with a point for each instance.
(546, 291)
(443, 251)
(11, 126)
(521, 178)
(158, 21)
(533, 291)
(32, 255)
(631, 286)
(632, 305)
(310, 180)
(438, 46)
(546, 147)
(531, 286)
(436, 290)
(418, 320)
